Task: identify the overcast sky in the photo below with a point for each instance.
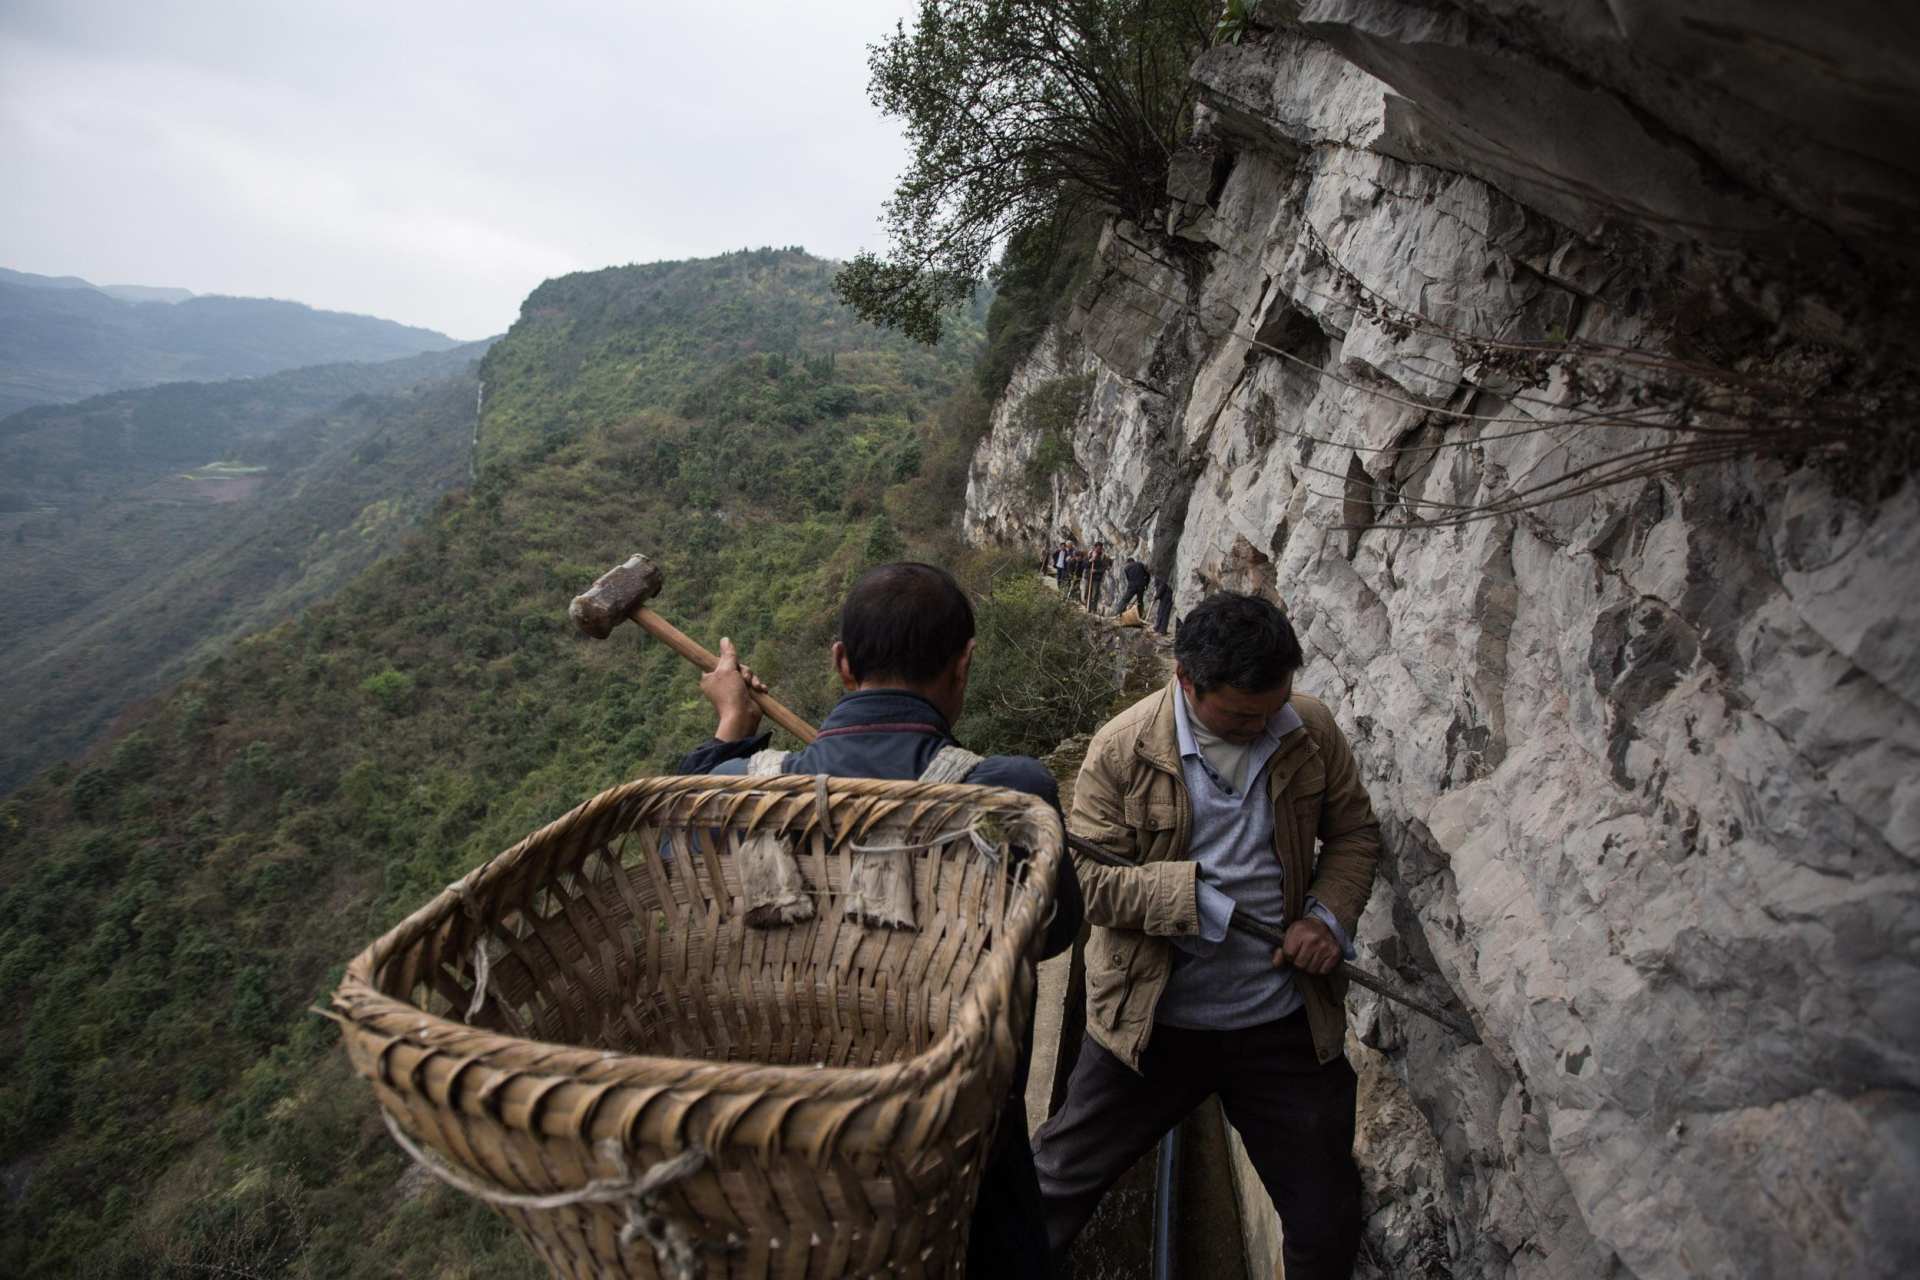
(431, 162)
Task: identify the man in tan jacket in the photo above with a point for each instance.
(1221, 784)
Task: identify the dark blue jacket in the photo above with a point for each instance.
(1008, 1239)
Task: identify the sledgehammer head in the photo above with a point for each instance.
(604, 605)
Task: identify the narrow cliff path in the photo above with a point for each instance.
(1118, 1243)
(1226, 1225)
(1064, 764)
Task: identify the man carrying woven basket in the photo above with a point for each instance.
(1221, 784)
(904, 653)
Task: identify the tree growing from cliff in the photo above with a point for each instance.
(1021, 114)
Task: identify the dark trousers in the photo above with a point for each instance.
(1161, 613)
(1094, 584)
(1008, 1238)
(1135, 595)
(1294, 1113)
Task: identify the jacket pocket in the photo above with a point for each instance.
(1150, 815)
(1153, 823)
(1109, 952)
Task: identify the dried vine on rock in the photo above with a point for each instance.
(1687, 414)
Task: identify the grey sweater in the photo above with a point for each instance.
(1221, 979)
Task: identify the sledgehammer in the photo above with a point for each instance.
(623, 593)
(771, 886)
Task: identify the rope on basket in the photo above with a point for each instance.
(822, 808)
(981, 844)
(673, 1245)
(482, 962)
(482, 966)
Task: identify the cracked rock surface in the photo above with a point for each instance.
(1647, 758)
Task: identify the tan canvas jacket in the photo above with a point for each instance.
(1132, 800)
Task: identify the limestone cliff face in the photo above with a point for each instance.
(1648, 758)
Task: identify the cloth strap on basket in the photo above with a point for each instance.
(771, 886)
(951, 763)
(765, 764)
(880, 887)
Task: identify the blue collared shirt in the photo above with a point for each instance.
(1226, 980)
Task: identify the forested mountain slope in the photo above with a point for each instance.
(63, 339)
(673, 335)
(170, 909)
(141, 528)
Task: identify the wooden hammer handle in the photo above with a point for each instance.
(702, 657)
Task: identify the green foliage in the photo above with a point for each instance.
(92, 794)
(253, 1014)
(907, 460)
(883, 542)
(390, 690)
(924, 509)
(1048, 414)
(1039, 672)
(750, 338)
(1019, 115)
(1037, 276)
(1052, 454)
(1235, 21)
(170, 909)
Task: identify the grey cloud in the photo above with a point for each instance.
(430, 162)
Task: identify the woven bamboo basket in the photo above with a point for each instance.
(584, 1033)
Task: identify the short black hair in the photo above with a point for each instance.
(1237, 640)
(904, 621)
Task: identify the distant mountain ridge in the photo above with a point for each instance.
(124, 292)
(63, 338)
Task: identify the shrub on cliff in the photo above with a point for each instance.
(1047, 416)
(1040, 674)
(1019, 115)
(1038, 274)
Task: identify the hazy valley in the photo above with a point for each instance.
(63, 339)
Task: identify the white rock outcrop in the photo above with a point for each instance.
(1648, 758)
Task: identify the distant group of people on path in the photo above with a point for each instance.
(1081, 573)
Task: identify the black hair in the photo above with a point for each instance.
(1241, 641)
(904, 621)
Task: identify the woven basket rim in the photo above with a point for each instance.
(481, 1059)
